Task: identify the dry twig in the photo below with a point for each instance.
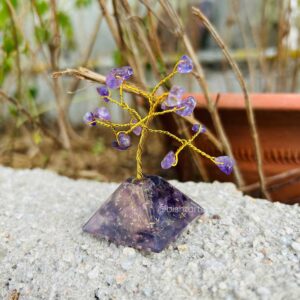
(110, 22)
(199, 75)
(75, 83)
(15, 295)
(128, 23)
(54, 48)
(17, 47)
(31, 119)
(249, 109)
(271, 180)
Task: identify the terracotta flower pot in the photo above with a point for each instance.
(278, 124)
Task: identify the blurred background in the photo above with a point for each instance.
(41, 117)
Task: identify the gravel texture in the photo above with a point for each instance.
(243, 248)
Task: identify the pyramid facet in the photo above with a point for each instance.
(147, 214)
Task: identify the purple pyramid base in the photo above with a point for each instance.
(147, 214)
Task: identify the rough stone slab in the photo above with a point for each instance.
(243, 248)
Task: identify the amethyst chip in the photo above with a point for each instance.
(116, 76)
(185, 65)
(89, 119)
(116, 145)
(103, 92)
(137, 130)
(168, 160)
(123, 142)
(102, 113)
(225, 164)
(175, 96)
(125, 72)
(196, 127)
(188, 105)
(113, 81)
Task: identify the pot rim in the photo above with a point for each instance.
(260, 101)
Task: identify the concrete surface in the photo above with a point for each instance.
(242, 248)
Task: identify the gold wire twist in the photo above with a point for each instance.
(154, 101)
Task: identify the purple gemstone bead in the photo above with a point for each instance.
(125, 72)
(189, 105)
(175, 96)
(168, 160)
(103, 91)
(227, 164)
(137, 130)
(118, 147)
(196, 128)
(124, 140)
(102, 113)
(116, 76)
(112, 80)
(185, 65)
(146, 214)
(89, 119)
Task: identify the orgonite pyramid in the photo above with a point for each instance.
(146, 214)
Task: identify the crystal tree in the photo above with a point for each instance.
(147, 212)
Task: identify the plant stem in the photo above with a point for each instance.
(17, 47)
(272, 180)
(30, 118)
(54, 49)
(199, 75)
(110, 22)
(249, 109)
(88, 51)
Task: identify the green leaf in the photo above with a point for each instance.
(25, 49)
(33, 92)
(82, 3)
(8, 45)
(4, 16)
(117, 57)
(7, 64)
(98, 147)
(14, 3)
(42, 7)
(37, 138)
(41, 34)
(13, 110)
(65, 23)
(5, 67)
(161, 67)
(148, 67)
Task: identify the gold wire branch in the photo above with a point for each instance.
(136, 120)
(144, 122)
